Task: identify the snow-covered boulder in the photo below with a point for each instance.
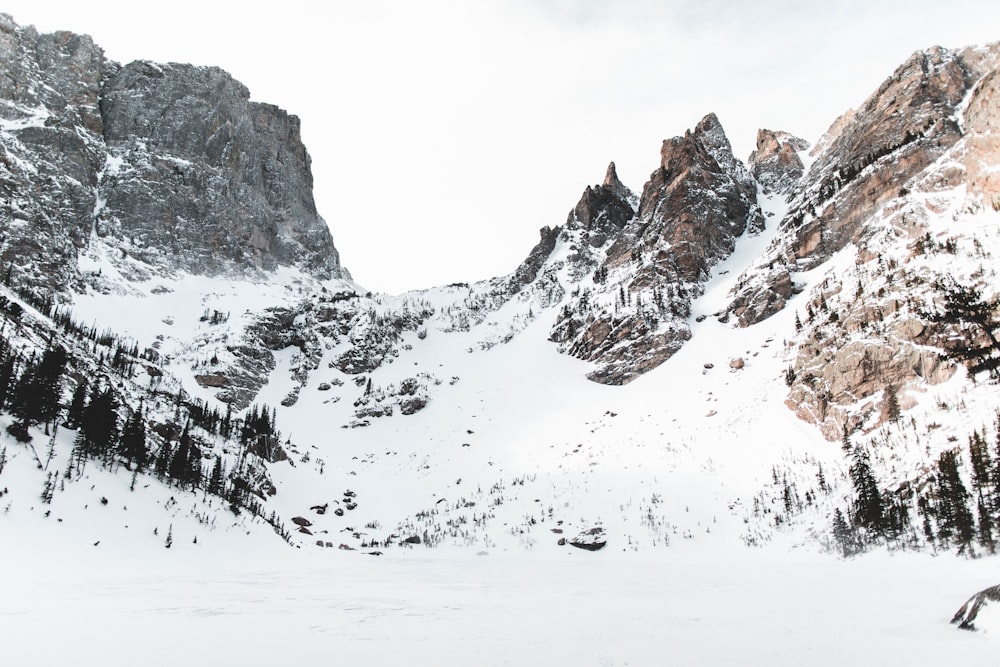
(980, 612)
(592, 539)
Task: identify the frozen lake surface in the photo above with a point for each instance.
(681, 606)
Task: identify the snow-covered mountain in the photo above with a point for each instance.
(735, 355)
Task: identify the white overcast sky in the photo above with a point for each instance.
(445, 133)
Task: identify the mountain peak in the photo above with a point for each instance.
(709, 123)
(776, 163)
(611, 177)
(616, 187)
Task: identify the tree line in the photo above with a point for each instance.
(112, 434)
(943, 508)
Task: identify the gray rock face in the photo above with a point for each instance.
(171, 164)
(50, 153)
(209, 182)
(697, 203)
(603, 210)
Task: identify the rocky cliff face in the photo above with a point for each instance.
(775, 163)
(867, 158)
(881, 200)
(170, 164)
(630, 315)
(204, 180)
(50, 152)
(151, 170)
(623, 269)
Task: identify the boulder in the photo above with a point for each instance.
(592, 539)
(211, 381)
(983, 607)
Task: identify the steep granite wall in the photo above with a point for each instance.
(171, 164)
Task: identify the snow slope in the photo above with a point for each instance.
(515, 450)
(682, 468)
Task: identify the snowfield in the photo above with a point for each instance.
(685, 606)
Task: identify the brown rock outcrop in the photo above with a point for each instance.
(696, 203)
(870, 156)
(692, 209)
(775, 163)
(981, 154)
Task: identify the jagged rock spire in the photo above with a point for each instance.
(693, 207)
(776, 163)
(612, 183)
(611, 177)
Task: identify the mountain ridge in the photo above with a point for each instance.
(745, 316)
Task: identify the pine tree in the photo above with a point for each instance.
(41, 391)
(133, 441)
(979, 455)
(49, 488)
(98, 434)
(76, 405)
(24, 400)
(8, 369)
(994, 478)
(194, 472)
(821, 478)
(985, 527)
(179, 470)
(897, 516)
(842, 534)
(956, 520)
(966, 307)
(845, 440)
(217, 481)
(226, 428)
(163, 458)
(38, 393)
(869, 511)
(892, 403)
(926, 510)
